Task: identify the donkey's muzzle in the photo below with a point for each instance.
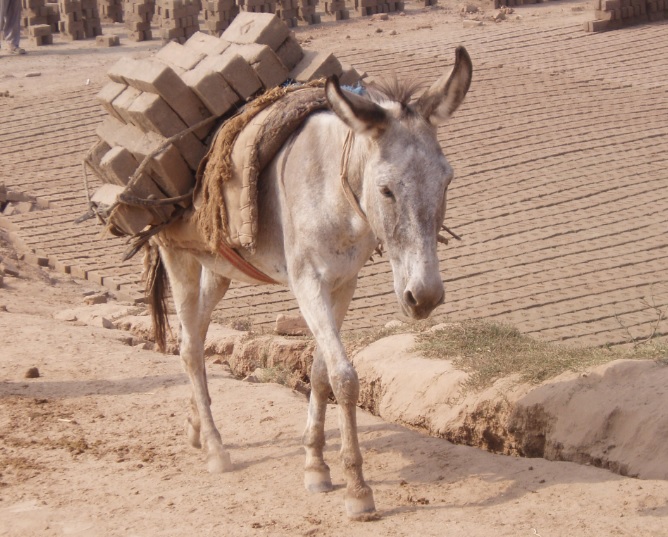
(419, 305)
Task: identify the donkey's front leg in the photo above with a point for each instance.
(196, 292)
(324, 312)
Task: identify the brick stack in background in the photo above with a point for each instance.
(153, 99)
(288, 12)
(307, 11)
(40, 34)
(52, 16)
(91, 18)
(338, 9)
(258, 6)
(178, 19)
(137, 15)
(33, 13)
(110, 10)
(371, 7)
(614, 14)
(218, 15)
(71, 25)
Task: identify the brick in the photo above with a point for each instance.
(124, 101)
(129, 220)
(350, 76)
(260, 28)
(39, 30)
(179, 57)
(150, 112)
(316, 65)
(156, 77)
(107, 41)
(206, 44)
(237, 72)
(95, 156)
(107, 94)
(212, 89)
(264, 61)
(290, 52)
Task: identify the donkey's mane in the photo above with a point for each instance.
(394, 90)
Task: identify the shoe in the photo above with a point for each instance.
(16, 50)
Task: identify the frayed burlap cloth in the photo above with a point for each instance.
(226, 192)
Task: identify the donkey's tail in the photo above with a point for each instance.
(156, 287)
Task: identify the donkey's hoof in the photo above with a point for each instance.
(362, 509)
(219, 463)
(318, 480)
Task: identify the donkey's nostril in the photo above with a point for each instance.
(410, 299)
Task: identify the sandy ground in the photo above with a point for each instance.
(96, 446)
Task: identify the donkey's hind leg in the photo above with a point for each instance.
(196, 291)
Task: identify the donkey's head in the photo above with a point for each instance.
(406, 177)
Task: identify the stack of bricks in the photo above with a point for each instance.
(614, 14)
(258, 6)
(33, 13)
(514, 3)
(218, 15)
(178, 19)
(41, 34)
(52, 16)
(338, 9)
(371, 7)
(205, 78)
(288, 12)
(91, 18)
(110, 10)
(137, 16)
(71, 24)
(307, 11)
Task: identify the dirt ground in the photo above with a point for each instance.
(96, 444)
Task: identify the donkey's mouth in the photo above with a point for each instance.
(419, 310)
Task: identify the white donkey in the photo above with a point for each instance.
(319, 222)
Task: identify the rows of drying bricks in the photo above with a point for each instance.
(204, 79)
(560, 195)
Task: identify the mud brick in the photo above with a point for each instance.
(156, 77)
(109, 131)
(263, 29)
(264, 61)
(179, 57)
(290, 52)
(130, 220)
(350, 76)
(42, 40)
(151, 112)
(95, 156)
(316, 65)
(39, 30)
(123, 102)
(212, 89)
(118, 165)
(604, 15)
(206, 44)
(107, 41)
(236, 71)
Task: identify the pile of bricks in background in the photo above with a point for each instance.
(53, 16)
(514, 3)
(33, 13)
(218, 15)
(178, 19)
(288, 12)
(154, 99)
(257, 6)
(137, 16)
(307, 11)
(614, 14)
(40, 34)
(110, 10)
(372, 7)
(338, 9)
(79, 19)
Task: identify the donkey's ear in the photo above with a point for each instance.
(360, 114)
(440, 101)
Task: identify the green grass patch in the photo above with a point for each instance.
(490, 351)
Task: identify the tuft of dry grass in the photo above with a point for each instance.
(490, 351)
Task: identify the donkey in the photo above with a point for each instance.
(318, 224)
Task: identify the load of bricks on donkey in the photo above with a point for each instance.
(166, 114)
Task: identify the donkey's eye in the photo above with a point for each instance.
(386, 192)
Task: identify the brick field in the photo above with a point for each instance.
(560, 154)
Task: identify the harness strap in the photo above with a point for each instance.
(347, 191)
(239, 263)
